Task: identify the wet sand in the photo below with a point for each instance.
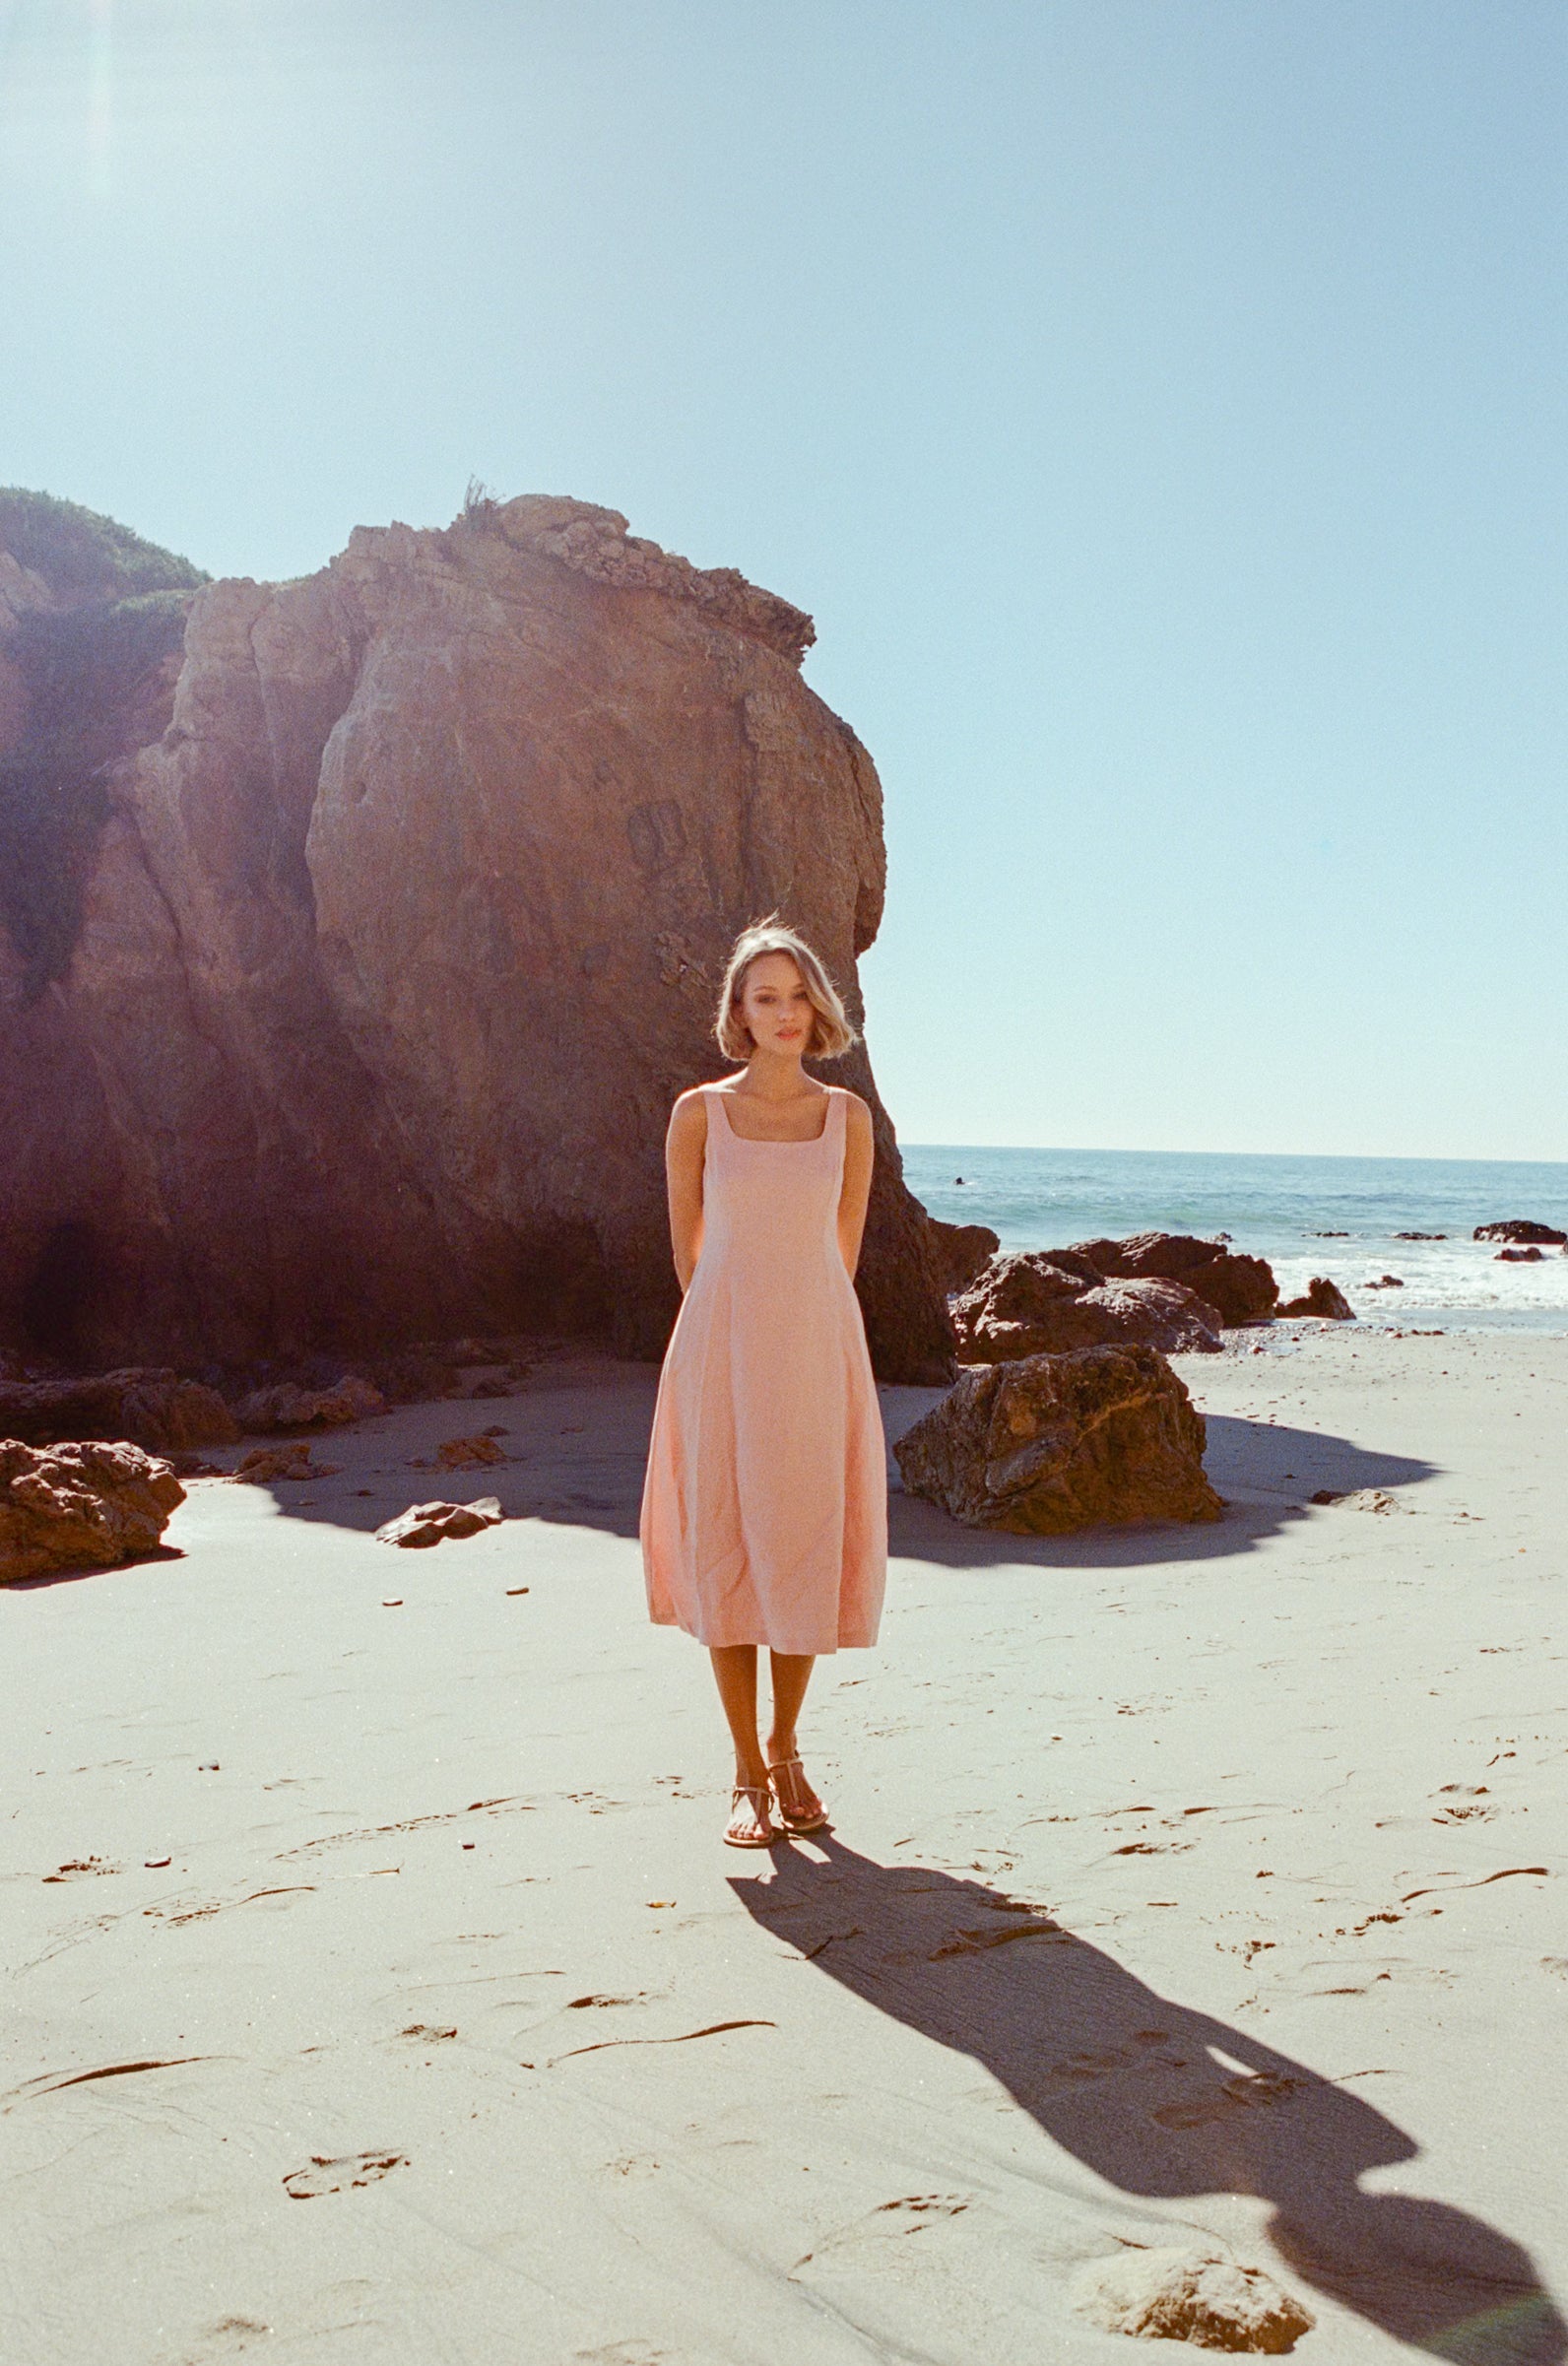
(1185, 1884)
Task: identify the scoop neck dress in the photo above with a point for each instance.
(764, 1511)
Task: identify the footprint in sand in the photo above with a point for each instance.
(866, 2240)
(1267, 2087)
(79, 1868)
(326, 2176)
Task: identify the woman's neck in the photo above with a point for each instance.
(777, 1076)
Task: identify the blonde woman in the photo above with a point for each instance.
(764, 1515)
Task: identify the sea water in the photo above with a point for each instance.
(1339, 1217)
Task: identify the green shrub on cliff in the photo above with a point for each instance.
(81, 556)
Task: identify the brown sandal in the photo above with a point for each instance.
(759, 1795)
(805, 1822)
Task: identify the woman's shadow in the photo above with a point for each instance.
(1160, 2100)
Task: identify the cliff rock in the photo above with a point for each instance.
(349, 1009)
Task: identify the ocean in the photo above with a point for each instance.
(1340, 1217)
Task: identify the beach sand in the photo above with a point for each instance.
(1185, 1887)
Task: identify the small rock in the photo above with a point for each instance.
(467, 1454)
(428, 1523)
(1321, 1298)
(83, 1504)
(1172, 2293)
(1529, 1256)
(1420, 1236)
(1054, 1443)
(1389, 1281)
(264, 1463)
(1520, 1228)
(285, 1406)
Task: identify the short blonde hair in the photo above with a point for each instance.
(831, 1032)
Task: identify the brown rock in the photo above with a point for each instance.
(335, 1052)
(285, 1406)
(467, 1454)
(1389, 1281)
(1242, 1289)
(1030, 1304)
(155, 1408)
(1529, 1256)
(1321, 1298)
(425, 1523)
(1170, 2292)
(264, 1463)
(1519, 1228)
(962, 1251)
(80, 1506)
(1100, 1438)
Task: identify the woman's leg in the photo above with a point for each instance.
(734, 1672)
(792, 1673)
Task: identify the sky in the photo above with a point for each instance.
(1158, 403)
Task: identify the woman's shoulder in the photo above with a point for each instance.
(856, 1111)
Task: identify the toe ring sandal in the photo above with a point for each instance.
(760, 1801)
(795, 1822)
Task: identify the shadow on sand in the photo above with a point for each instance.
(1159, 2100)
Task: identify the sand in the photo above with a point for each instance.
(1185, 1887)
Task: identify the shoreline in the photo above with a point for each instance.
(593, 2086)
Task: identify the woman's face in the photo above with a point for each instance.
(776, 1007)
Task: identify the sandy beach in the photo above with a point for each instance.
(376, 1986)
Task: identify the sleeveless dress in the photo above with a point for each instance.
(765, 1512)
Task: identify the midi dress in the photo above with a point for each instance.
(764, 1510)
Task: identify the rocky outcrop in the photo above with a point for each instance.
(962, 1251)
(1529, 1256)
(1242, 1289)
(153, 1409)
(1028, 1304)
(1320, 1297)
(394, 931)
(285, 1406)
(1104, 1436)
(1172, 2292)
(1520, 1228)
(80, 1506)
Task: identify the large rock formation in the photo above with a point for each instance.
(1028, 1304)
(349, 1006)
(1241, 1289)
(1105, 1436)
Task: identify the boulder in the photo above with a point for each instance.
(1031, 1304)
(1529, 1256)
(148, 1408)
(469, 1454)
(962, 1251)
(1101, 1437)
(1242, 1289)
(1388, 1281)
(324, 1046)
(1519, 1228)
(285, 1406)
(1320, 1297)
(1170, 2292)
(425, 1523)
(265, 1464)
(80, 1505)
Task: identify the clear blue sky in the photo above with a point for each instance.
(1159, 403)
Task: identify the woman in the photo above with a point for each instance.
(764, 1516)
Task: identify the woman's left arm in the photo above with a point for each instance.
(859, 1154)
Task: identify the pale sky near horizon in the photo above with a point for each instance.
(1158, 403)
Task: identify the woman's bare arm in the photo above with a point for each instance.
(859, 1154)
(684, 1147)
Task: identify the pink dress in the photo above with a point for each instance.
(764, 1513)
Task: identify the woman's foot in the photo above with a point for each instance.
(750, 1826)
(799, 1809)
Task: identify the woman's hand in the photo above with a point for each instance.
(684, 1147)
(859, 1157)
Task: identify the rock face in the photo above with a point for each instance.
(1028, 1304)
(1519, 1228)
(962, 1251)
(398, 927)
(1105, 1436)
(80, 1506)
(1242, 1288)
(152, 1409)
(1172, 2293)
(1321, 1298)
